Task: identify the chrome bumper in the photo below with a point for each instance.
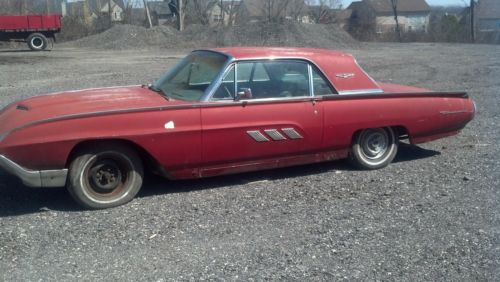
(35, 178)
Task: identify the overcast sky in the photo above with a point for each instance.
(430, 2)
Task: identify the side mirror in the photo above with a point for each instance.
(243, 94)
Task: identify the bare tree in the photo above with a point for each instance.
(232, 10)
(296, 9)
(320, 10)
(394, 4)
(199, 9)
(472, 30)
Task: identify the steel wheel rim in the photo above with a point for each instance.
(37, 42)
(107, 177)
(374, 143)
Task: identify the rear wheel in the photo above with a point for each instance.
(37, 42)
(105, 176)
(374, 148)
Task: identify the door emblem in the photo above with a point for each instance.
(344, 75)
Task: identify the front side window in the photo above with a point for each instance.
(189, 79)
(267, 79)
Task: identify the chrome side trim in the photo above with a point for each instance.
(291, 133)
(454, 112)
(274, 134)
(362, 91)
(257, 136)
(35, 178)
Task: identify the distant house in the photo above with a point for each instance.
(89, 10)
(115, 7)
(488, 15)
(160, 12)
(224, 12)
(377, 15)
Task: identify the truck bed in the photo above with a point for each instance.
(30, 23)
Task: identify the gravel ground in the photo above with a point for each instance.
(431, 215)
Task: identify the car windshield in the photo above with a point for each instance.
(189, 79)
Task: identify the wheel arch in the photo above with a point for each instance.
(400, 131)
(150, 163)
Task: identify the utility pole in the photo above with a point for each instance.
(148, 15)
(180, 11)
(110, 14)
(472, 31)
(395, 10)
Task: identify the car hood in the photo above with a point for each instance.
(87, 101)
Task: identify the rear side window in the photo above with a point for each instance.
(320, 84)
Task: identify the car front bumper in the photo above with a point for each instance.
(35, 178)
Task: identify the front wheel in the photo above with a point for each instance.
(105, 176)
(374, 148)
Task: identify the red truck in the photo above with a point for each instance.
(33, 29)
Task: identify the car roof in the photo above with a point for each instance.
(245, 53)
(340, 68)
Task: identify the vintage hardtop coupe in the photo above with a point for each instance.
(217, 112)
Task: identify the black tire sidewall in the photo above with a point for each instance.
(37, 36)
(78, 166)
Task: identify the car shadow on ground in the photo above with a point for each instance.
(16, 199)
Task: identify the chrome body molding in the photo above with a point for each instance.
(274, 134)
(291, 133)
(35, 178)
(361, 91)
(257, 136)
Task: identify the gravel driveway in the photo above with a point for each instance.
(433, 214)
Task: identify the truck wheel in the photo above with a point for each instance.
(105, 176)
(37, 42)
(373, 148)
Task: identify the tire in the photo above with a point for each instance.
(374, 148)
(37, 41)
(105, 176)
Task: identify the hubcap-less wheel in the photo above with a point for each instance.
(37, 42)
(374, 148)
(105, 176)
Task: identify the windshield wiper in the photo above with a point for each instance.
(158, 90)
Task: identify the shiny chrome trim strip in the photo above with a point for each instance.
(454, 112)
(291, 133)
(257, 136)
(35, 178)
(274, 134)
(362, 91)
(311, 81)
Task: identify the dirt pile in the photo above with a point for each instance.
(122, 37)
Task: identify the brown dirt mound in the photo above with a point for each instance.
(122, 37)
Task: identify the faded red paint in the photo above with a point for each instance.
(210, 138)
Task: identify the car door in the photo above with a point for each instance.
(273, 121)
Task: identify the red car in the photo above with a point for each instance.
(220, 111)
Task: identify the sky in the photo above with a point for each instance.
(346, 3)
